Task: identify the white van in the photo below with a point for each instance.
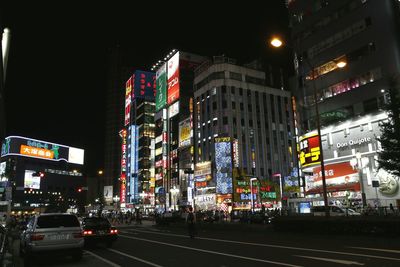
(333, 211)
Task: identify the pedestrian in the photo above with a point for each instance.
(191, 222)
(391, 208)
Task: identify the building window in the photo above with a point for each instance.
(214, 105)
(225, 120)
(223, 89)
(235, 76)
(240, 91)
(224, 104)
(233, 105)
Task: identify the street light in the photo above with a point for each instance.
(251, 193)
(276, 42)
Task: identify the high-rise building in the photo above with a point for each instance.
(139, 125)
(174, 91)
(116, 78)
(363, 36)
(238, 118)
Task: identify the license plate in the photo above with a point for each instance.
(58, 237)
(101, 232)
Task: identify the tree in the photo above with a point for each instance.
(389, 156)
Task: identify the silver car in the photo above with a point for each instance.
(52, 232)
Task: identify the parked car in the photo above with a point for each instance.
(99, 230)
(52, 232)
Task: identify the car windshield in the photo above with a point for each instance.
(56, 221)
(96, 222)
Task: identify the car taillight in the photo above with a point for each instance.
(114, 231)
(36, 237)
(77, 235)
(88, 232)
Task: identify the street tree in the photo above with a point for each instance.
(389, 155)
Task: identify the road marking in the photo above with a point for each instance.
(210, 251)
(378, 249)
(103, 259)
(278, 246)
(133, 257)
(332, 260)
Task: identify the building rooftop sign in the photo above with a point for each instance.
(27, 147)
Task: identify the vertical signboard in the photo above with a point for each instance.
(173, 78)
(223, 164)
(108, 193)
(161, 87)
(185, 132)
(143, 84)
(123, 135)
(128, 91)
(134, 162)
(309, 150)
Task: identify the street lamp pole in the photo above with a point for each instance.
(360, 171)
(277, 43)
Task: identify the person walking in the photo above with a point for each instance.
(191, 222)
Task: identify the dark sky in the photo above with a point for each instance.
(56, 75)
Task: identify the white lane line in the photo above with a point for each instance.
(378, 249)
(278, 246)
(331, 260)
(210, 251)
(103, 259)
(135, 258)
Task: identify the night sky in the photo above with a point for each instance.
(57, 70)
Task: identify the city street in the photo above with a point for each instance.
(150, 246)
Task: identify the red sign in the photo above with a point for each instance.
(128, 100)
(122, 133)
(173, 79)
(123, 189)
(338, 177)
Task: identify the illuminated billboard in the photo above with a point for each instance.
(223, 165)
(338, 177)
(134, 162)
(184, 133)
(128, 100)
(173, 78)
(108, 193)
(122, 134)
(144, 84)
(30, 181)
(26, 147)
(309, 150)
(161, 87)
(122, 197)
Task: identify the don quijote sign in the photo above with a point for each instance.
(354, 142)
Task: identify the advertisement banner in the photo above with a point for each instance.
(309, 150)
(22, 146)
(223, 165)
(122, 134)
(184, 133)
(122, 197)
(338, 177)
(206, 201)
(173, 109)
(128, 100)
(144, 85)
(173, 78)
(108, 193)
(161, 87)
(31, 181)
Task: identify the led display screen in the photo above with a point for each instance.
(173, 78)
(223, 164)
(31, 181)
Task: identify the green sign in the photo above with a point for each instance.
(161, 87)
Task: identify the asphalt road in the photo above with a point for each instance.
(149, 246)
